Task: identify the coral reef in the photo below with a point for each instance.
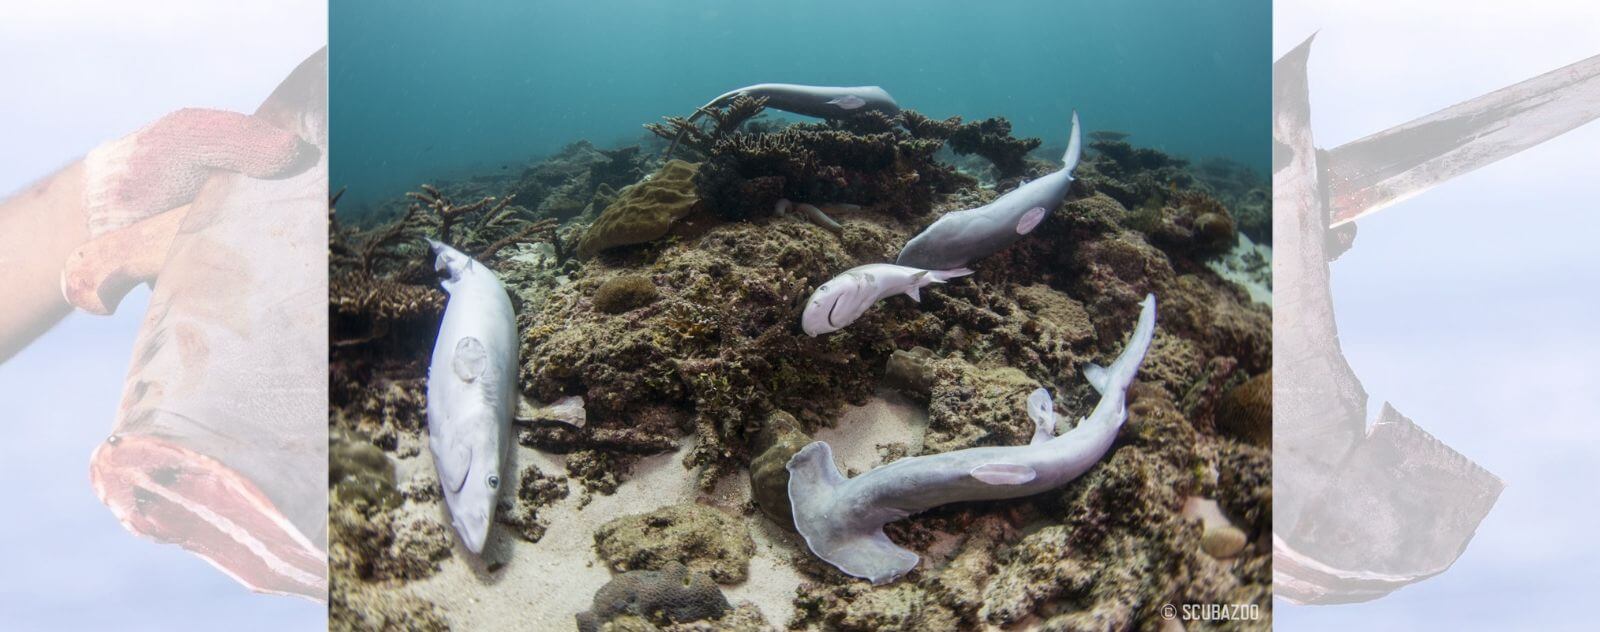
(705, 539)
(779, 439)
(681, 327)
(991, 138)
(1188, 223)
(673, 594)
(870, 160)
(624, 293)
(535, 489)
(726, 120)
(1246, 411)
(644, 211)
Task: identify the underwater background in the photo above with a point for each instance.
(670, 362)
(425, 90)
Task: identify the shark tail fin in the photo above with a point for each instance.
(1122, 371)
(698, 112)
(1074, 146)
(858, 550)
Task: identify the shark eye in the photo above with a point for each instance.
(493, 481)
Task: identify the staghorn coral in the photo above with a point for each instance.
(726, 120)
(645, 211)
(991, 138)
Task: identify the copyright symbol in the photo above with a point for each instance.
(1169, 612)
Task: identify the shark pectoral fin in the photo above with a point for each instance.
(471, 359)
(453, 465)
(1097, 376)
(1004, 473)
(1030, 220)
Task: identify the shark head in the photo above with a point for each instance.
(837, 303)
(469, 469)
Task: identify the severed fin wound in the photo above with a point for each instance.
(1030, 220)
(1098, 377)
(1004, 473)
(470, 360)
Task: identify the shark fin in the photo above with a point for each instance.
(1004, 473)
(453, 466)
(1074, 146)
(915, 293)
(1097, 376)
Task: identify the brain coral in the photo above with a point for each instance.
(673, 594)
(645, 211)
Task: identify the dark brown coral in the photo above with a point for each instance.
(992, 139)
(725, 119)
(869, 160)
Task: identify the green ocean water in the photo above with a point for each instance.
(423, 91)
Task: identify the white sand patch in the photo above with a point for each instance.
(1249, 264)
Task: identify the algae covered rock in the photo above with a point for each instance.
(1246, 411)
(534, 490)
(780, 438)
(624, 293)
(673, 594)
(358, 470)
(701, 537)
(972, 407)
(645, 211)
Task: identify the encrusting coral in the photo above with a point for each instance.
(644, 211)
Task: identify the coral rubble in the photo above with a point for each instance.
(705, 539)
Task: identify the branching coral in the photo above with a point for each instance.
(725, 121)
(869, 159)
(991, 138)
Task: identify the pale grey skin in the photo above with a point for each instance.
(961, 237)
(844, 298)
(472, 394)
(842, 519)
(816, 101)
